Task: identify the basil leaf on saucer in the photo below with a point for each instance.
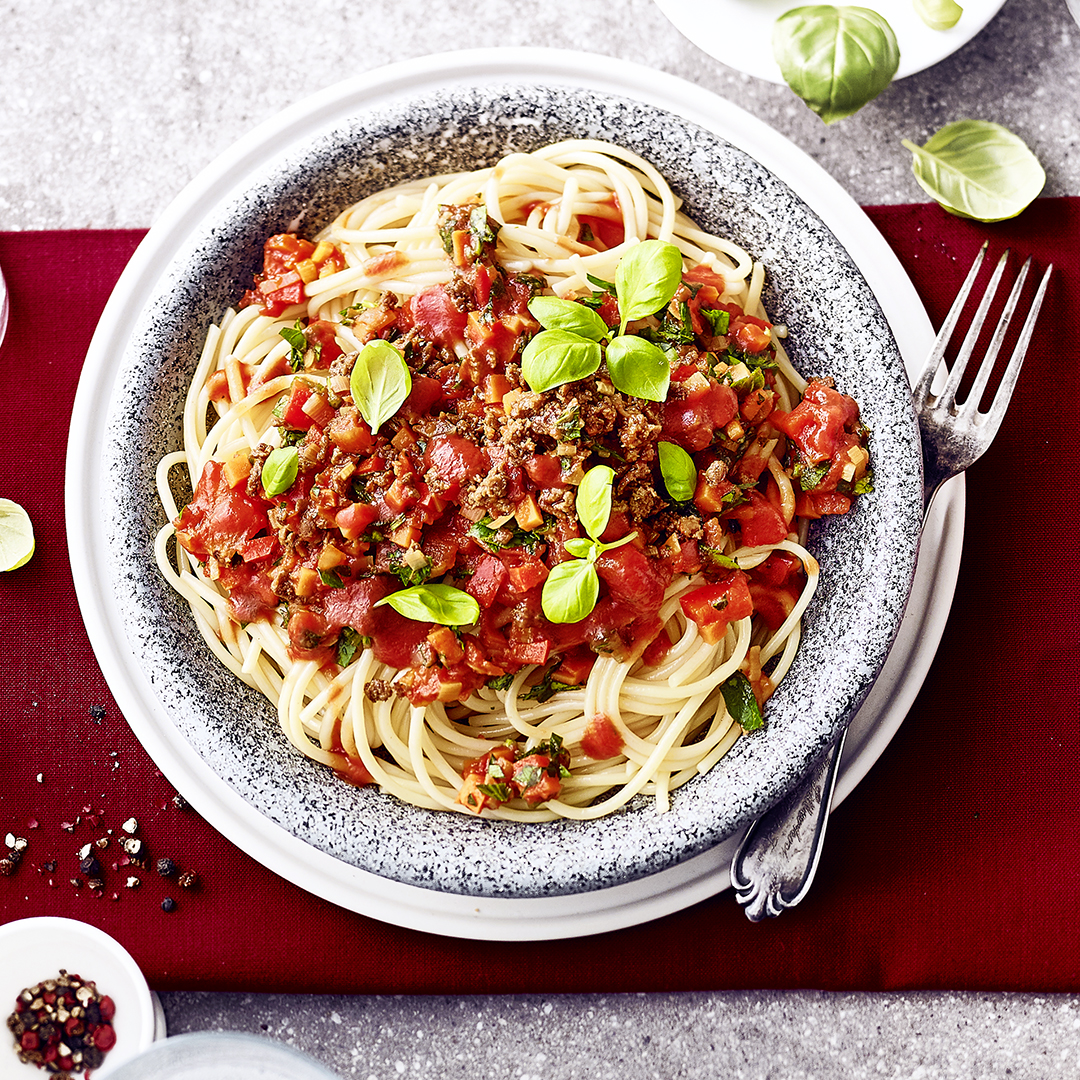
(380, 383)
(939, 14)
(835, 58)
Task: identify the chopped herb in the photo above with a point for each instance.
(545, 689)
(331, 579)
(568, 426)
(529, 776)
(406, 574)
(510, 536)
(741, 703)
(718, 320)
(501, 682)
(292, 438)
(499, 792)
(676, 331)
(601, 284)
(810, 476)
(349, 643)
(718, 558)
(298, 344)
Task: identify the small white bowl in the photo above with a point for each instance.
(36, 949)
(209, 1055)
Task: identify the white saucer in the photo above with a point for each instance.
(738, 33)
(32, 950)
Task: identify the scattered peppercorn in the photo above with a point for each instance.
(168, 904)
(179, 802)
(188, 879)
(97, 712)
(90, 866)
(166, 867)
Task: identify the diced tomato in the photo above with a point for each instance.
(435, 316)
(219, 518)
(454, 459)
(532, 778)
(279, 285)
(486, 580)
(354, 519)
(759, 521)
(709, 498)
(422, 397)
(251, 594)
(574, 666)
(352, 771)
(323, 335)
(608, 231)
(692, 420)
(544, 470)
(348, 430)
(751, 334)
(716, 605)
(524, 571)
(818, 422)
(780, 568)
(816, 504)
(530, 652)
(705, 276)
(293, 415)
(258, 547)
(773, 603)
(601, 739)
(633, 578)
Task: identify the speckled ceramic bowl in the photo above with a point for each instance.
(836, 328)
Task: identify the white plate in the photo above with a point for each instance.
(237, 817)
(32, 950)
(738, 33)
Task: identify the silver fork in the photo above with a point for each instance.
(774, 865)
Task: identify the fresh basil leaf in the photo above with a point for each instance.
(279, 470)
(555, 357)
(581, 547)
(977, 169)
(939, 14)
(298, 344)
(570, 591)
(601, 284)
(646, 279)
(741, 703)
(434, 603)
(380, 382)
(639, 368)
(553, 313)
(678, 470)
(593, 500)
(835, 58)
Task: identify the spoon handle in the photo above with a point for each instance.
(776, 860)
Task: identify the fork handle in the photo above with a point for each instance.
(775, 863)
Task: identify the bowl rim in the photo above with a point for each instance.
(173, 229)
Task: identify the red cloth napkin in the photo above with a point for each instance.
(955, 864)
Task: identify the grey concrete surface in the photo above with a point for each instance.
(108, 108)
(737, 1036)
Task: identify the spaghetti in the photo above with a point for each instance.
(501, 486)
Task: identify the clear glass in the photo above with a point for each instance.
(221, 1055)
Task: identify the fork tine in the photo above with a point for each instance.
(947, 397)
(921, 391)
(996, 412)
(986, 368)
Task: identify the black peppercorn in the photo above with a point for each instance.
(168, 904)
(166, 867)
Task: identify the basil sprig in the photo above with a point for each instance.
(380, 382)
(573, 587)
(977, 169)
(434, 603)
(678, 470)
(279, 470)
(835, 58)
(572, 343)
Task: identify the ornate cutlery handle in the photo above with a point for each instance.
(775, 863)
